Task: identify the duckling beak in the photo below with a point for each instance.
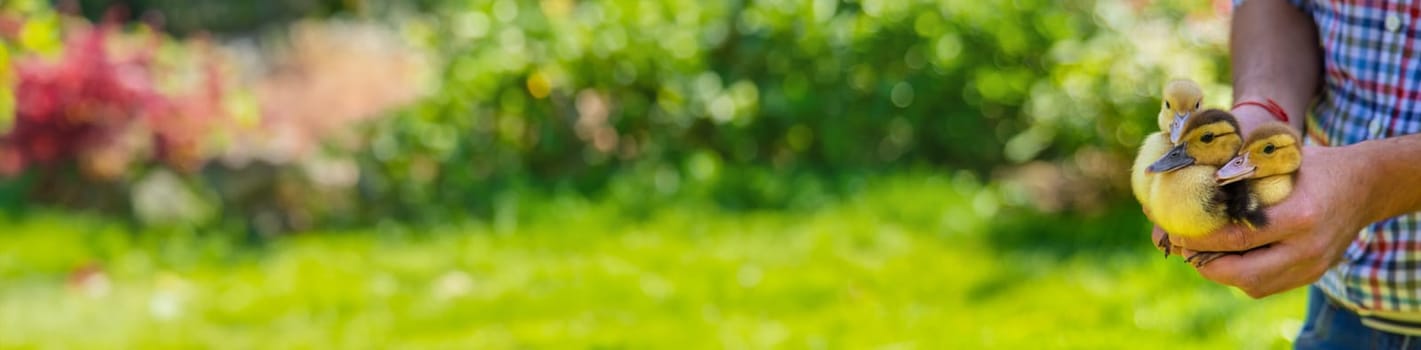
(1175, 159)
(1176, 128)
(1237, 169)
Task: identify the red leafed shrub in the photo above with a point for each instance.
(103, 110)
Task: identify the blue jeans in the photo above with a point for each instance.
(1330, 326)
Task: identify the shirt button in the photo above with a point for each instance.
(1375, 128)
(1393, 23)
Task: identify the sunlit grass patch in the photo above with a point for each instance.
(907, 262)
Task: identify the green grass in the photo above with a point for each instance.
(911, 262)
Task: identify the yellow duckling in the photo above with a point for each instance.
(1270, 157)
(1260, 176)
(1182, 98)
(1186, 198)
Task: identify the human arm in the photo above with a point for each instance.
(1275, 55)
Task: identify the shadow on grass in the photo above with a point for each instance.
(1118, 228)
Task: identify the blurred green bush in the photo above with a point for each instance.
(679, 91)
(216, 16)
(772, 103)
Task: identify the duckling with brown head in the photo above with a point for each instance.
(1269, 160)
(1185, 199)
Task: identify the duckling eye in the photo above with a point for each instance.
(1196, 104)
(1268, 149)
(1209, 137)
(1166, 105)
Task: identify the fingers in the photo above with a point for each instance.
(1264, 271)
(1232, 238)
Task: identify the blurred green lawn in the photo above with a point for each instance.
(906, 263)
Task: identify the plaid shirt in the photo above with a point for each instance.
(1372, 70)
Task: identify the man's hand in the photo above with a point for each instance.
(1307, 232)
(1337, 192)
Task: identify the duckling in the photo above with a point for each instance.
(1270, 158)
(1186, 198)
(1263, 172)
(1182, 97)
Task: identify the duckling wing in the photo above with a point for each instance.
(1154, 146)
(1186, 202)
(1273, 189)
(1242, 204)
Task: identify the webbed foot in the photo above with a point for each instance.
(1164, 244)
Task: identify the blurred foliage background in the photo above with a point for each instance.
(433, 173)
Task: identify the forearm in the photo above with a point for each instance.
(1387, 170)
(1275, 55)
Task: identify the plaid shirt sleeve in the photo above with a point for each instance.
(1372, 89)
